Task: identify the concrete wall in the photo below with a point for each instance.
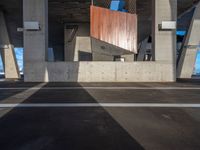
(79, 49)
(102, 57)
(101, 72)
(83, 50)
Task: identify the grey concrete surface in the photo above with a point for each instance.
(35, 42)
(78, 48)
(164, 42)
(99, 128)
(10, 65)
(107, 49)
(190, 47)
(102, 57)
(100, 72)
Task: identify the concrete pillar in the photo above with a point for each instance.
(164, 42)
(188, 55)
(7, 52)
(35, 42)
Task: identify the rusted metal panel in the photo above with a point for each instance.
(113, 27)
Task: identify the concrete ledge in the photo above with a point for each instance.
(100, 72)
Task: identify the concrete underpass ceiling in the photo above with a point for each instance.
(62, 11)
(69, 10)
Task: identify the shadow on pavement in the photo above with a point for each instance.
(63, 128)
(11, 94)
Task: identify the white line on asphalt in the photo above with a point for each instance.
(117, 105)
(102, 88)
(21, 96)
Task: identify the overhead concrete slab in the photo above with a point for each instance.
(61, 10)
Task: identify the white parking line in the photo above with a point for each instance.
(22, 96)
(117, 105)
(102, 88)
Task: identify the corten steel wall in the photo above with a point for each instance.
(113, 27)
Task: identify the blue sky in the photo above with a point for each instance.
(197, 65)
(1, 65)
(19, 54)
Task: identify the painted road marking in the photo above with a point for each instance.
(102, 88)
(117, 105)
(22, 96)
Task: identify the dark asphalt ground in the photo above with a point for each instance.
(98, 128)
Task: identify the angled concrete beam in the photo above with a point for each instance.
(7, 52)
(142, 51)
(188, 55)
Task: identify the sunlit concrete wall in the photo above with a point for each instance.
(100, 72)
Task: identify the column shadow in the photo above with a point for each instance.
(63, 128)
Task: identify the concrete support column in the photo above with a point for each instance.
(164, 42)
(7, 52)
(188, 56)
(35, 42)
